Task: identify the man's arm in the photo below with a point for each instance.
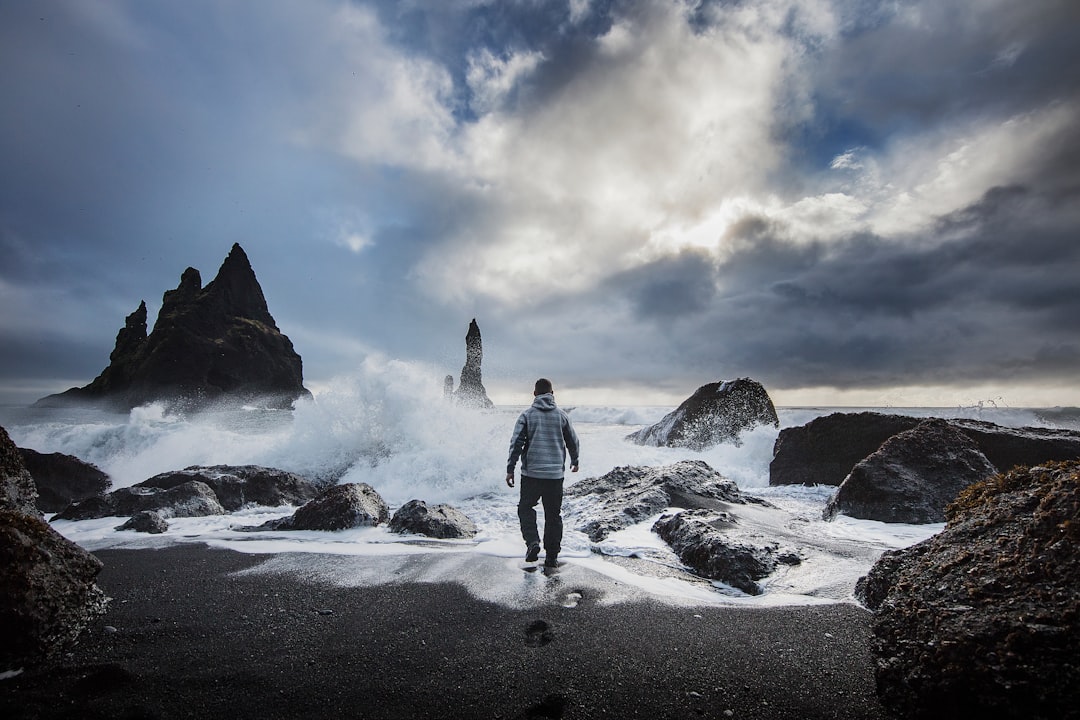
(571, 439)
(517, 446)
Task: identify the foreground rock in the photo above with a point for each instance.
(912, 476)
(717, 412)
(17, 491)
(208, 344)
(823, 451)
(698, 537)
(628, 495)
(471, 390)
(983, 619)
(338, 507)
(48, 593)
(63, 479)
(238, 485)
(438, 521)
(189, 499)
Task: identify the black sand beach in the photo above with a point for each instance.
(184, 637)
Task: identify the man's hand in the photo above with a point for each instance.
(510, 479)
(573, 468)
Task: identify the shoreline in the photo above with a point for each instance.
(193, 631)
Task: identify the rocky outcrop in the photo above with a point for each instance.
(436, 521)
(698, 537)
(146, 521)
(238, 485)
(628, 495)
(471, 390)
(717, 412)
(48, 593)
(217, 343)
(188, 499)
(63, 479)
(17, 491)
(912, 476)
(1008, 447)
(983, 618)
(823, 451)
(338, 507)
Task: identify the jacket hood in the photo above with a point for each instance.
(544, 402)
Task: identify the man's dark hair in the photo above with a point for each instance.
(543, 385)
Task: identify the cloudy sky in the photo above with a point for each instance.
(851, 201)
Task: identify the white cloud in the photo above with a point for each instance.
(491, 79)
(655, 130)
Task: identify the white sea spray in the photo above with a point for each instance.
(388, 425)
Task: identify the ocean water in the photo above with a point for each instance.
(388, 425)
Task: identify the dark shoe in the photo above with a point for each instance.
(533, 554)
(552, 560)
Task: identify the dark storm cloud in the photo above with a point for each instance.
(904, 67)
(998, 299)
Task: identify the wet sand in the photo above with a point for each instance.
(188, 635)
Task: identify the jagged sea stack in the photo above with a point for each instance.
(209, 344)
(470, 390)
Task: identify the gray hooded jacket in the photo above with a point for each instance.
(542, 436)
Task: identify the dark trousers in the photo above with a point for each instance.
(550, 492)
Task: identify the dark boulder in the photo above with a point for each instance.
(1008, 447)
(717, 412)
(471, 390)
(338, 507)
(823, 451)
(17, 490)
(628, 495)
(63, 479)
(437, 521)
(983, 619)
(48, 593)
(217, 343)
(912, 476)
(147, 521)
(698, 537)
(238, 485)
(189, 499)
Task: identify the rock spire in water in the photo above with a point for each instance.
(471, 390)
(211, 343)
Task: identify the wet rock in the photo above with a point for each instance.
(912, 476)
(63, 479)
(217, 343)
(698, 537)
(17, 490)
(189, 499)
(147, 521)
(238, 485)
(1008, 447)
(823, 451)
(628, 495)
(336, 508)
(717, 412)
(983, 618)
(48, 593)
(470, 389)
(438, 521)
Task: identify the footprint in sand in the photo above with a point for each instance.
(538, 634)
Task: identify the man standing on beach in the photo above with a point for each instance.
(542, 436)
